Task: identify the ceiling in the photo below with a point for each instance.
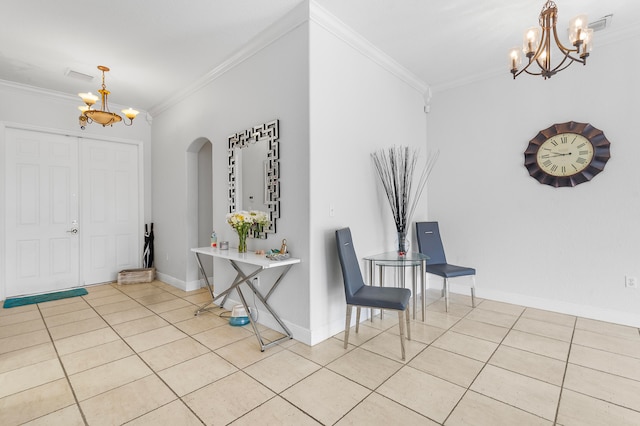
(156, 48)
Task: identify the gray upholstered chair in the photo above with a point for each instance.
(359, 294)
(430, 243)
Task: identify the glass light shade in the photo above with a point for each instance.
(515, 58)
(531, 40)
(130, 113)
(88, 98)
(577, 26)
(587, 42)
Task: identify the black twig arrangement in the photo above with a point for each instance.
(396, 167)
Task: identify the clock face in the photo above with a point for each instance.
(567, 154)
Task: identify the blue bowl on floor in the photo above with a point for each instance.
(238, 321)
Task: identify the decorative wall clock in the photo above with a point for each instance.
(567, 154)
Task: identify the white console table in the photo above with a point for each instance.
(254, 260)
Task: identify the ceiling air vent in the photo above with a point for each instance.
(78, 75)
(601, 23)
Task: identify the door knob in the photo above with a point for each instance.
(73, 231)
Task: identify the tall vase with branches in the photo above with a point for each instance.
(396, 167)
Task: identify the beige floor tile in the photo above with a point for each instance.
(154, 338)
(25, 340)
(105, 377)
(19, 408)
(68, 416)
(608, 328)
(21, 328)
(120, 306)
(324, 352)
(420, 332)
(469, 346)
(546, 329)
(531, 395)
(183, 314)
(246, 352)
(5, 313)
(387, 344)
(30, 376)
(389, 319)
(174, 413)
(582, 410)
(539, 367)
(480, 330)
(239, 392)
(78, 327)
(100, 291)
(365, 332)
(364, 367)
(492, 317)
(27, 356)
(619, 365)
(132, 400)
(447, 365)
(275, 412)
(117, 297)
(614, 344)
(221, 336)
(93, 357)
(478, 410)
(198, 298)
(456, 309)
(325, 395)
(281, 370)
(426, 394)
(127, 315)
(503, 308)
(85, 340)
(139, 292)
(140, 325)
(13, 316)
(440, 320)
(538, 344)
(69, 317)
(173, 353)
(195, 373)
(158, 297)
(195, 325)
(76, 304)
(378, 410)
(548, 316)
(170, 305)
(605, 386)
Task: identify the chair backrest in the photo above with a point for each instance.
(351, 274)
(430, 243)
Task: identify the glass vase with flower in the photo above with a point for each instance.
(245, 221)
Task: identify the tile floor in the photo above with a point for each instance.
(135, 354)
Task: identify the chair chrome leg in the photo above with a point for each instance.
(348, 326)
(401, 324)
(446, 295)
(357, 318)
(473, 291)
(408, 324)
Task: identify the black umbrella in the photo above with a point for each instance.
(147, 253)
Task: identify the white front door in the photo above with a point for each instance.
(41, 211)
(110, 209)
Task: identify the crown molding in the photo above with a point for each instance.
(292, 20)
(329, 22)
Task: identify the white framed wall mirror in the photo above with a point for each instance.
(254, 173)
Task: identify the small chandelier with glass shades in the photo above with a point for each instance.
(537, 45)
(103, 115)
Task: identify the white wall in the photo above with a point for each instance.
(270, 84)
(358, 106)
(564, 249)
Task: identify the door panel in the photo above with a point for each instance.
(110, 209)
(41, 206)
